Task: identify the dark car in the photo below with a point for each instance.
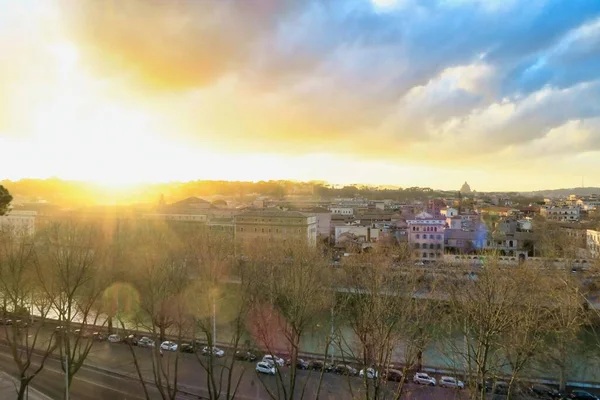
(545, 392)
(345, 369)
(186, 348)
(393, 375)
(320, 365)
(98, 336)
(131, 339)
(300, 363)
(582, 395)
(246, 355)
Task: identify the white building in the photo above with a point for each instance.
(560, 214)
(19, 222)
(593, 242)
(342, 210)
(449, 212)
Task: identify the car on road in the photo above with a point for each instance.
(131, 339)
(84, 334)
(265, 368)
(274, 360)
(145, 342)
(423, 379)
(345, 369)
(582, 395)
(451, 382)
(245, 355)
(98, 336)
(300, 363)
(217, 352)
(320, 365)
(393, 375)
(167, 345)
(545, 392)
(114, 338)
(371, 373)
(187, 348)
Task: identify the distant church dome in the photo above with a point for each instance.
(465, 188)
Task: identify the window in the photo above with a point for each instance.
(424, 255)
(430, 236)
(431, 245)
(439, 237)
(418, 236)
(424, 245)
(263, 230)
(431, 255)
(439, 246)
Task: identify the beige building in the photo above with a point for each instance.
(19, 222)
(593, 242)
(560, 214)
(270, 225)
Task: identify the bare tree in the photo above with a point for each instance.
(69, 268)
(380, 296)
(483, 310)
(19, 286)
(161, 277)
(289, 288)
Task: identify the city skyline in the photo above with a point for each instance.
(502, 94)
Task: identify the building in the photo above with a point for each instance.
(342, 210)
(366, 234)
(426, 236)
(465, 188)
(561, 214)
(275, 225)
(192, 209)
(435, 207)
(593, 242)
(449, 212)
(323, 220)
(18, 222)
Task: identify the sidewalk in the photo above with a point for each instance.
(9, 386)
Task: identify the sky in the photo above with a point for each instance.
(504, 94)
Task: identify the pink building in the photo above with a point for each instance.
(426, 236)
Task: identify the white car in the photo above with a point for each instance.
(215, 351)
(424, 379)
(265, 368)
(168, 346)
(371, 373)
(269, 358)
(145, 342)
(114, 338)
(450, 382)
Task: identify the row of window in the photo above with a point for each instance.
(425, 229)
(277, 230)
(430, 245)
(438, 237)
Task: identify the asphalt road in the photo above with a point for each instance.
(109, 373)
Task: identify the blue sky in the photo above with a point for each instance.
(505, 94)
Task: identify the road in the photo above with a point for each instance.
(109, 373)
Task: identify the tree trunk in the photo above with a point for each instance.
(109, 321)
(22, 388)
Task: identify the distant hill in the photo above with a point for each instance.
(580, 191)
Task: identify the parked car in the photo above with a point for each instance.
(114, 338)
(131, 339)
(59, 328)
(370, 372)
(394, 375)
(345, 369)
(187, 348)
(215, 351)
(84, 334)
(300, 363)
(582, 395)
(423, 379)
(245, 356)
(145, 342)
(451, 382)
(167, 345)
(500, 387)
(320, 365)
(274, 359)
(265, 368)
(545, 392)
(98, 336)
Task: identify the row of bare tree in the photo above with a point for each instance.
(374, 310)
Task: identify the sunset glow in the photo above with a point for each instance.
(335, 91)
